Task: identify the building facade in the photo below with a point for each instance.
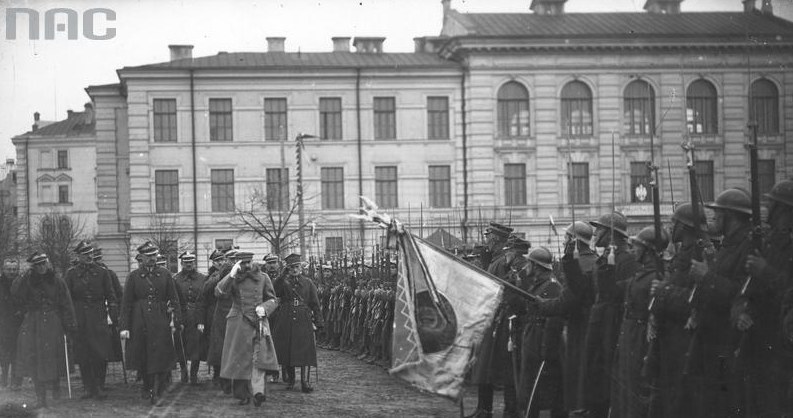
(517, 117)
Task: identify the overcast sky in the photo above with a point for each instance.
(49, 76)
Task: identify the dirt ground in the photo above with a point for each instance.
(347, 387)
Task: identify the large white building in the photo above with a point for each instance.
(488, 120)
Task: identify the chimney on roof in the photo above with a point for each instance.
(276, 44)
(447, 5)
(36, 118)
(767, 8)
(548, 7)
(368, 44)
(341, 43)
(749, 6)
(88, 114)
(663, 6)
(69, 113)
(181, 52)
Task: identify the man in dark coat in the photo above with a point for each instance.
(494, 362)
(116, 352)
(719, 286)
(298, 317)
(49, 315)
(150, 315)
(92, 296)
(205, 310)
(613, 270)
(541, 341)
(10, 319)
(769, 354)
(192, 346)
(216, 317)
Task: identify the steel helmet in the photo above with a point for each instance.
(782, 192)
(684, 214)
(581, 231)
(613, 220)
(646, 238)
(541, 256)
(735, 199)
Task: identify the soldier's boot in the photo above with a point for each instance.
(305, 376)
(484, 402)
(510, 402)
(194, 366)
(102, 377)
(289, 377)
(183, 367)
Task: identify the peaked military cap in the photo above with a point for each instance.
(243, 256)
(231, 252)
(37, 258)
(270, 258)
(327, 267)
(292, 259)
(97, 253)
(84, 248)
(147, 248)
(187, 257)
(498, 229)
(161, 260)
(216, 255)
(521, 246)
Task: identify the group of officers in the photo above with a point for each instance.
(611, 332)
(245, 319)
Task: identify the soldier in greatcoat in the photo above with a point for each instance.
(94, 300)
(248, 352)
(49, 315)
(769, 352)
(541, 340)
(205, 311)
(192, 346)
(218, 317)
(294, 326)
(150, 316)
(10, 319)
(116, 352)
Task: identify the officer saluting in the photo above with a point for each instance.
(149, 310)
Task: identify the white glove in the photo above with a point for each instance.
(261, 311)
(124, 335)
(235, 269)
(200, 327)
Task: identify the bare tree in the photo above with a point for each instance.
(165, 234)
(269, 219)
(56, 234)
(10, 228)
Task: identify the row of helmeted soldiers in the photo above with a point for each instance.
(608, 332)
(223, 318)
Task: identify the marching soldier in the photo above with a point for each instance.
(540, 379)
(116, 352)
(630, 392)
(247, 333)
(209, 321)
(192, 346)
(149, 319)
(49, 314)
(93, 296)
(719, 287)
(10, 319)
(769, 370)
(297, 319)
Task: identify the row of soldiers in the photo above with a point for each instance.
(706, 332)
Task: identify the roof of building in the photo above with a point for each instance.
(75, 125)
(627, 25)
(256, 60)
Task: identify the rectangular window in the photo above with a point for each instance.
(330, 118)
(164, 120)
(63, 194)
(220, 120)
(45, 159)
(384, 118)
(332, 187)
(166, 191)
(275, 119)
(438, 117)
(222, 190)
(514, 184)
(385, 186)
(278, 189)
(334, 247)
(223, 244)
(640, 183)
(580, 183)
(63, 159)
(440, 186)
(705, 180)
(766, 170)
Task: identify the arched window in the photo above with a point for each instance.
(513, 110)
(764, 99)
(576, 109)
(639, 116)
(701, 115)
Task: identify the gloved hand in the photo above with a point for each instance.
(755, 264)
(654, 286)
(260, 311)
(744, 322)
(124, 335)
(236, 269)
(200, 327)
